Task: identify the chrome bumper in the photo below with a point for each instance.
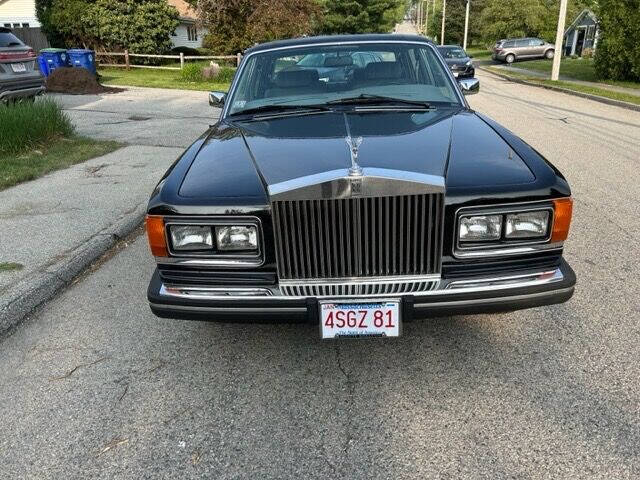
(447, 297)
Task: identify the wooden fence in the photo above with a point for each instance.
(182, 58)
(32, 37)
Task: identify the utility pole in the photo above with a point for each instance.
(466, 26)
(444, 12)
(426, 20)
(557, 57)
(419, 15)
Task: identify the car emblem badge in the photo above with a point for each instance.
(354, 145)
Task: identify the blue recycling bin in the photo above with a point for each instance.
(83, 59)
(52, 58)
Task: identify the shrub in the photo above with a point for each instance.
(587, 53)
(188, 51)
(25, 125)
(226, 75)
(618, 52)
(192, 72)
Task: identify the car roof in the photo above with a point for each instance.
(450, 46)
(368, 37)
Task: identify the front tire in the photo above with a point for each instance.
(549, 54)
(510, 58)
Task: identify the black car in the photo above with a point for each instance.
(458, 60)
(19, 77)
(356, 206)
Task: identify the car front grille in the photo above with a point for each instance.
(360, 289)
(359, 237)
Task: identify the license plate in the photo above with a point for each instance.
(375, 318)
(18, 67)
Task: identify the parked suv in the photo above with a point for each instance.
(511, 49)
(19, 77)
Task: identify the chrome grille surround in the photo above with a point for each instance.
(337, 234)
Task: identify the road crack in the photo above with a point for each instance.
(78, 367)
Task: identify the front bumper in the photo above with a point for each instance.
(21, 93)
(473, 295)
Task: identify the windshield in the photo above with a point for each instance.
(9, 40)
(320, 74)
(452, 52)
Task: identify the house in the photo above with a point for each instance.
(18, 14)
(582, 34)
(188, 33)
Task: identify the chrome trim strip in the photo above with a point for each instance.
(213, 292)
(444, 288)
(374, 182)
(447, 71)
(231, 309)
(361, 280)
(493, 300)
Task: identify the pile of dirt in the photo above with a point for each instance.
(76, 81)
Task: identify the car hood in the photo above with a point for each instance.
(245, 158)
(456, 61)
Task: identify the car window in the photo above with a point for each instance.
(452, 52)
(509, 44)
(327, 73)
(8, 39)
(522, 43)
(535, 42)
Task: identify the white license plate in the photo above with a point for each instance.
(18, 67)
(353, 318)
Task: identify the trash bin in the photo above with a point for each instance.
(42, 65)
(83, 59)
(53, 58)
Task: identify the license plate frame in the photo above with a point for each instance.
(18, 67)
(359, 305)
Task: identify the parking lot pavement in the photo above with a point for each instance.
(142, 116)
(94, 386)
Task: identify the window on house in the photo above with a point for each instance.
(7, 25)
(192, 33)
(591, 32)
(25, 25)
(16, 25)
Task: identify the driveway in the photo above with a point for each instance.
(93, 385)
(142, 116)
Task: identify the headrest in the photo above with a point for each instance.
(343, 61)
(383, 70)
(296, 78)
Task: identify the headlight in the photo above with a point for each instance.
(191, 237)
(469, 63)
(527, 224)
(237, 237)
(480, 228)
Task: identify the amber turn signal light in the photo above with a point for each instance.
(156, 236)
(563, 210)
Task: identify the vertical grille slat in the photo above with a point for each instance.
(359, 237)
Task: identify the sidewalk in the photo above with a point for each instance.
(603, 86)
(56, 226)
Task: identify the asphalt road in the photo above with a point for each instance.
(93, 386)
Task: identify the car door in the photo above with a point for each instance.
(522, 48)
(536, 47)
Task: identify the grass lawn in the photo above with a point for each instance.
(479, 53)
(571, 86)
(55, 154)
(142, 77)
(10, 266)
(576, 68)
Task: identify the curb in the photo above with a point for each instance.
(589, 96)
(31, 292)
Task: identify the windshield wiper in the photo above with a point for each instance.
(284, 109)
(369, 99)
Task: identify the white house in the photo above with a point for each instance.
(188, 33)
(18, 14)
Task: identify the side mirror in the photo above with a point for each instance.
(216, 99)
(469, 86)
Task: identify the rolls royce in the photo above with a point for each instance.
(357, 200)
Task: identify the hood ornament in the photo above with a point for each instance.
(354, 145)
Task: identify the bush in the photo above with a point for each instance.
(226, 75)
(27, 124)
(618, 52)
(188, 51)
(192, 72)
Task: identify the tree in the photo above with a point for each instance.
(618, 50)
(454, 23)
(361, 16)
(140, 26)
(43, 13)
(237, 24)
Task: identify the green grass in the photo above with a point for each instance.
(26, 124)
(10, 266)
(479, 53)
(54, 154)
(154, 78)
(574, 68)
(625, 97)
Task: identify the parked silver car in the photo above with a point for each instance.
(19, 77)
(511, 49)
